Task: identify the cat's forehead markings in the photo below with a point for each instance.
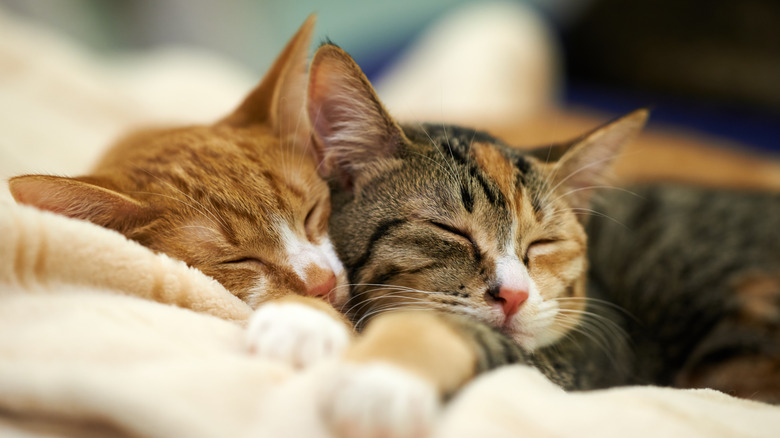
(496, 165)
(304, 257)
(293, 247)
(329, 253)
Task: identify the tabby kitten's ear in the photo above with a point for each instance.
(349, 121)
(279, 98)
(581, 165)
(81, 198)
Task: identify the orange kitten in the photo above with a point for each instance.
(241, 200)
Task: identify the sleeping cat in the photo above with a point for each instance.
(241, 200)
(699, 271)
(447, 218)
(489, 240)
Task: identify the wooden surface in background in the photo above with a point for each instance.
(658, 154)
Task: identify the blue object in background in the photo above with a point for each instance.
(376, 33)
(756, 129)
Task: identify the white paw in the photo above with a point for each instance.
(296, 334)
(378, 400)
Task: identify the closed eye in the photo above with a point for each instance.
(245, 261)
(308, 222)
(539, 247)
(313, 221)
(461, 234)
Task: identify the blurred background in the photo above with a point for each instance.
(710, 67)
(710, 64)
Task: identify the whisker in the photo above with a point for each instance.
(187, 204)
(584, 212)
(595, 319)
(595, 303)
(579, 189)
(453, 173)
(450, 171)
(572, 174)
(202, 207)
(357, 307)
(593, 334)
(359, 323)
(452, 155)
(382, 289)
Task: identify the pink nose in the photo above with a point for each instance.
(321, 287)
(511, 299)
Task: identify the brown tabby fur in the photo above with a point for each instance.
(241, 199)
(445, 218)
(426, 218)
(659, 154)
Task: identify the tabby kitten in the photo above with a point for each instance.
(241, 200)
(488, 240)
(447, 218)
(493, 239)
(450, 219)
(699, 271)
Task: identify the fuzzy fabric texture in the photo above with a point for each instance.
(101, 337)
(93, 343)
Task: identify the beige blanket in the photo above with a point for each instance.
(92, 342)
(83, 350)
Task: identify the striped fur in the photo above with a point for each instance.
(442, 217)
(699, 271)
(432, 217)
(241, 199)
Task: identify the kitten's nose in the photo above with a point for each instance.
(321, 285)
(510, 299)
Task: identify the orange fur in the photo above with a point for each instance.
(241, 199)
(494, 163)
(420, 343)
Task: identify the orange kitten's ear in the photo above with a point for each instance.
(75, 198)
(279, 98)
(349, 121)
(584, 163)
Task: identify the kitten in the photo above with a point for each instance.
(488, 239)
(241, 200)
(452, 219)
(699, 271)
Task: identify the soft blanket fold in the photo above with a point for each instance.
(43, 248)
(101, 337)
(85, 350)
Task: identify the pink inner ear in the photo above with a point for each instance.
(74, 198)
(280, 93)
(332, 94)
(588, 163)
(46, 193)
(348, 119)
(318, 111)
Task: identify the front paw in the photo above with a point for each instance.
(378, 400)
(296, 334)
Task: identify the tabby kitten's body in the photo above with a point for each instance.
(241, 200)
(698, 271)
(493, 238)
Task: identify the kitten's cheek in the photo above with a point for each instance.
(339, 295)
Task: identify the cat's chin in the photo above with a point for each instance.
(530, 342)
(529, 339)
(339, 296)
